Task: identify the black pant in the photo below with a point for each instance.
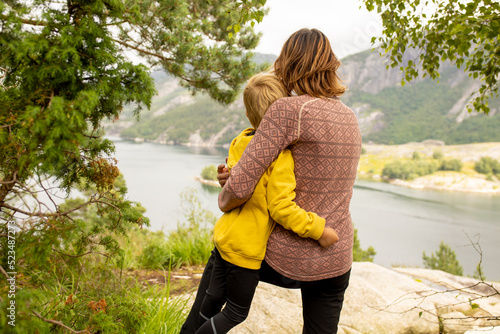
(231, 285)
(321, 300)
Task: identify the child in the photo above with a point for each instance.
(241, 235)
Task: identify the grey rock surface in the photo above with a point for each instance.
(385, 301)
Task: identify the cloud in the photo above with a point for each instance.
(348, 27)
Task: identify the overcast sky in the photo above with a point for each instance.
(348, 27)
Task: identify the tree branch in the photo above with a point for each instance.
(142, 50)
(4, 272)
(40, 182)
(7, 186)
(58, 323)
(27, 21)
(34, 22)
(57, 214)
(70, 255)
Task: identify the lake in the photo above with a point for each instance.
(400, 223)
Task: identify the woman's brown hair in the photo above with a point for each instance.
(307, 65)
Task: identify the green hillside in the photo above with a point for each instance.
(410, 113)
(204, 116)
(419, 111)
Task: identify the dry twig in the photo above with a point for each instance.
(58, 323)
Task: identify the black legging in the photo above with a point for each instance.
(321, 300)
(235, 286)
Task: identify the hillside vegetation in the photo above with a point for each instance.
(420, 111)
(388, 112)
(201, 117)
(424, 166)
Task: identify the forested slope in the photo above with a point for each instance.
(388, 112)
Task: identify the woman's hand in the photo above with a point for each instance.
(222, 174)
(328, 238)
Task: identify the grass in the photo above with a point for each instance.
(166, 314)
(371, 164)
(190, 244)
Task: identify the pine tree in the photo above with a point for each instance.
(63, 72)
(443, 259)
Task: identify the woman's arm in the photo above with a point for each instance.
(278, 129)
(281, 205)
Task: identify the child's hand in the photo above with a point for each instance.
(222, 174)
(328, 238)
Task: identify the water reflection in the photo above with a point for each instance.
(210, 189)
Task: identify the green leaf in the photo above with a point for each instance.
(455, 30)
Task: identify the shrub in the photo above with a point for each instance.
(154, 256)
(451, 164)
(438, 155)
(397, 170)
(90, 295)
(359, 254)
(408, 170)
(443, 259)
(209, 173)
(187, 246)
(422, 167)
(417, 155)
(487, 165)
(71, 268)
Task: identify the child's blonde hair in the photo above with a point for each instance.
(261, 91)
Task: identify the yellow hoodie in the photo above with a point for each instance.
(241, 234)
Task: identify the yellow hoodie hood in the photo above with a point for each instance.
(238, 146)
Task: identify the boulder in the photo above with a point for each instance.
(380, 300)
(474, 304)
(484, 330)
(383, 301)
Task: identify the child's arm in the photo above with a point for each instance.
(282, 208)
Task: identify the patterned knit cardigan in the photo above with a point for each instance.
(325, 140)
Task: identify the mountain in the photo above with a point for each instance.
(388, 112)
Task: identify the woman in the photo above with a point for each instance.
(324, 138)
